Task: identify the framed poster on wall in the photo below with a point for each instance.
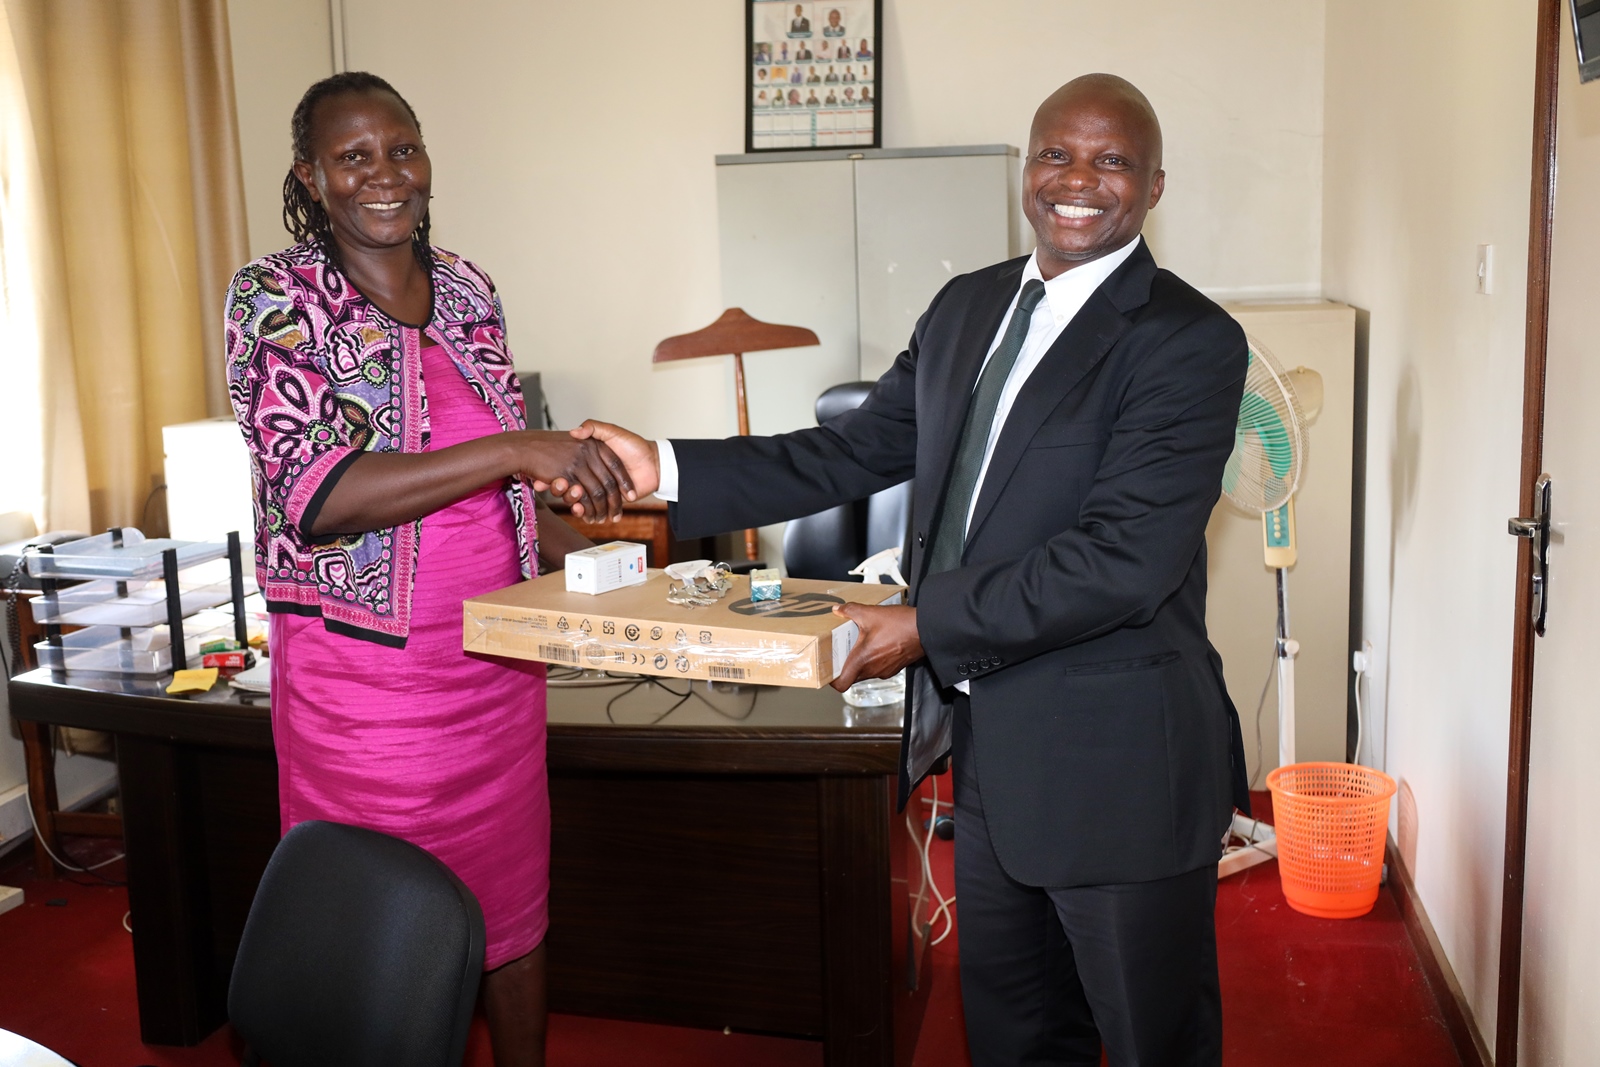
(812, 75)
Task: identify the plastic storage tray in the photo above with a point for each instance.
(144, 653)
(137, 558)
(145, 603)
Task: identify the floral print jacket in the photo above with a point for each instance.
(317, 375)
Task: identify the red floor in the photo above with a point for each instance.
(1296, 990)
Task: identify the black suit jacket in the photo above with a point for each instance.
(1105, 742)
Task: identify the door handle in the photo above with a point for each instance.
(1537, 529)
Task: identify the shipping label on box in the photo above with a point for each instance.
(794, 641)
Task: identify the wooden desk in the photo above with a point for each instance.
(732, 866)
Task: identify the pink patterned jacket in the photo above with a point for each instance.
(318, 375)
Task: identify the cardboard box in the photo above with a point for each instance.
(795, 641)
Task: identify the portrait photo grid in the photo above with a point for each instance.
(813, 74)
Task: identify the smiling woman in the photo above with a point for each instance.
(395, 478)
(334, 177)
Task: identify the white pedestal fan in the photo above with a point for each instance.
(1269, 454)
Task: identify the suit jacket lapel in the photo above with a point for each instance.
(957, 380)
(1099, 324)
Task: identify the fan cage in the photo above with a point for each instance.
(1270, 441)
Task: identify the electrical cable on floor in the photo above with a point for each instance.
(945, 904)
(1252, 842)
(90, 870)
(126, 925)
(923, 846)
(916, 842)
(1271, 670)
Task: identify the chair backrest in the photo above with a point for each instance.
(838, 399)
(360, 949)
(828, 544)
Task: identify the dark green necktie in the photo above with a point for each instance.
(950, 539)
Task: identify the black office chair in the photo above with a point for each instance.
(360, 949)
(828, 544)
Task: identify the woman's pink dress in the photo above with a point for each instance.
(429, 743)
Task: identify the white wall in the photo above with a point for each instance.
(1428, 127)
(572, 148)
(278, 50)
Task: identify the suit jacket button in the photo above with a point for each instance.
(964, 669)
(919, 540)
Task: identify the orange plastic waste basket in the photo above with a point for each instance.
(1331, 820)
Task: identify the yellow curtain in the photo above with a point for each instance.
(133, 119)
(41, 441)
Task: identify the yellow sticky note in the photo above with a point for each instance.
(193, 681)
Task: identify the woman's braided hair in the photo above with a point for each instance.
(305, 218)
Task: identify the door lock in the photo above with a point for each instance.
(1537, 530)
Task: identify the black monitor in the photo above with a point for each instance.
(1586, 33)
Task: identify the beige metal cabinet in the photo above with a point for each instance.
(853, 245)
(1241, 607)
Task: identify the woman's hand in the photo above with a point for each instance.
(587, 474)
(382, 489)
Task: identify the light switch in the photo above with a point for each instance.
(1486, 269)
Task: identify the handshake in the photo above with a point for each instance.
(594, 468)
(598, 466)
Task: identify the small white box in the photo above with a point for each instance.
(605, 567)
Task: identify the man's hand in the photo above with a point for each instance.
(586, 474)
(640, 456)
(889, 643)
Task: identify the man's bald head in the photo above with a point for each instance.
(1107, 91)
(1093, 170)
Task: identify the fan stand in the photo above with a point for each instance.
(1288, 649)
(1260, 842)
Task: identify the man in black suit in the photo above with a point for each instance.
(1067, 417)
